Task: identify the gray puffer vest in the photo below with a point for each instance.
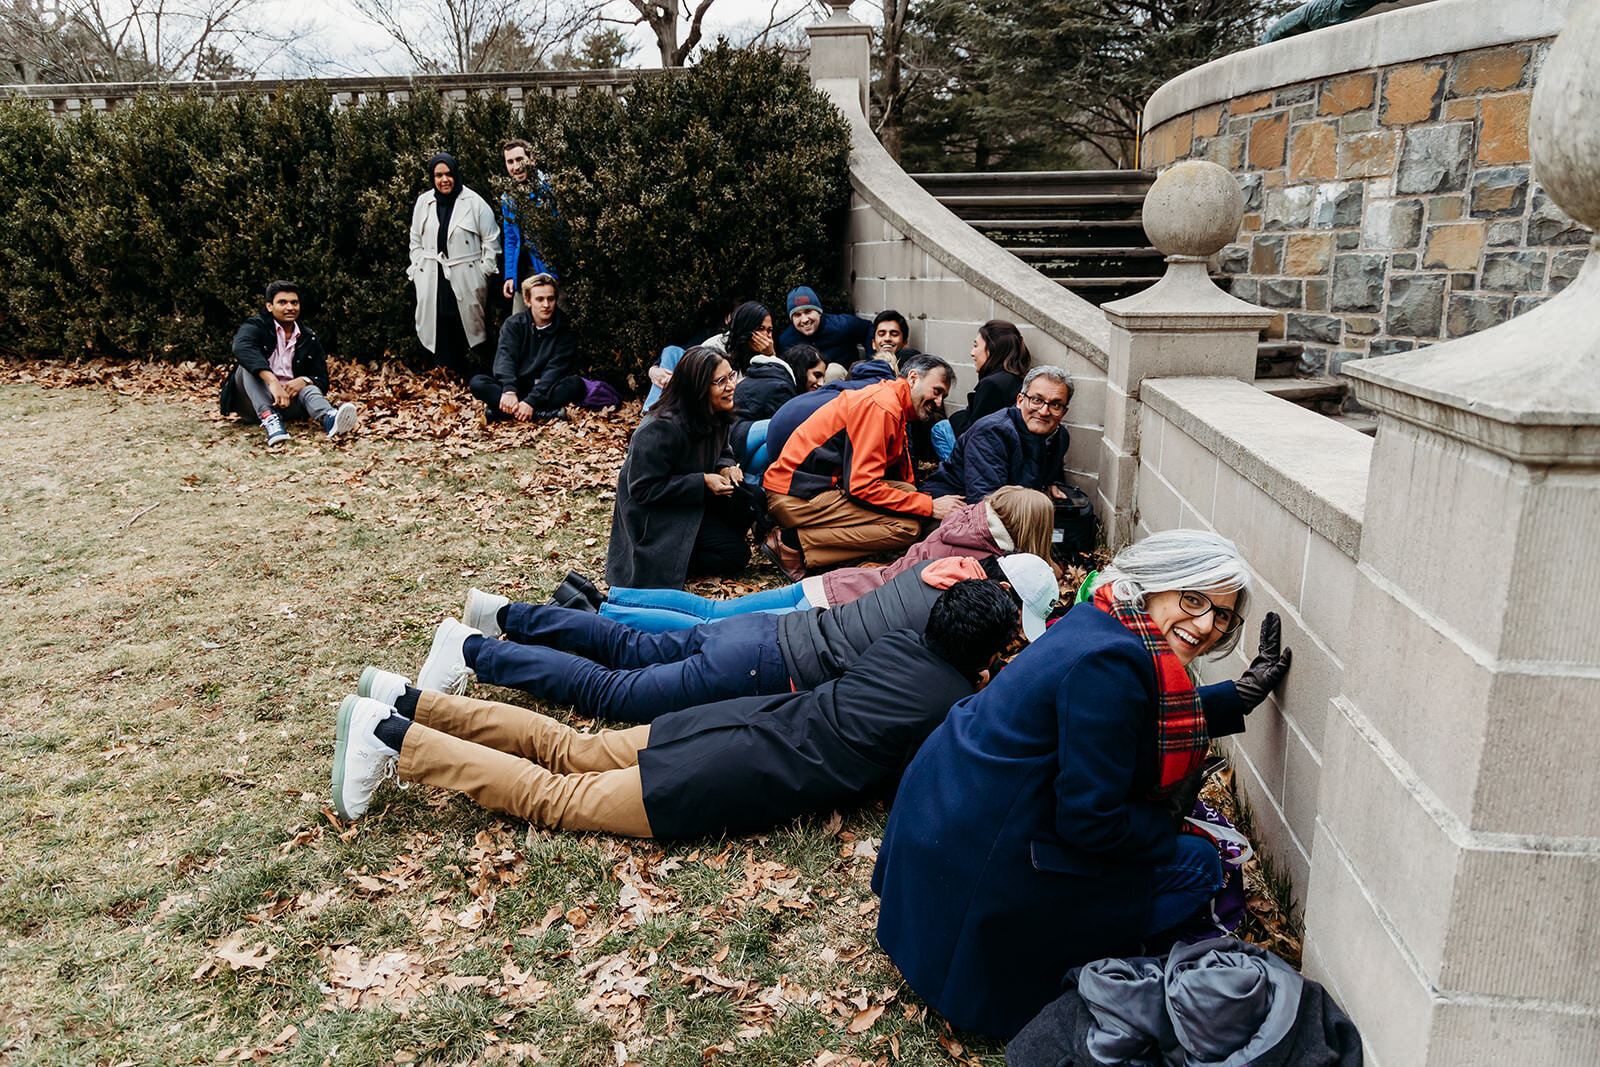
(821, 644)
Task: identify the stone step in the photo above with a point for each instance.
(1360, 423)
(1069, 251)
(1278, 359)
(996, 183)
(1041, 202)
(1325, 395)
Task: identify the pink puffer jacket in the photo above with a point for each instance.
(973, 530)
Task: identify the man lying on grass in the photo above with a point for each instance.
(607, 669)
(735, 765)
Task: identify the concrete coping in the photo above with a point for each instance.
(1439, 28)
(966, 253)
(1313, 466)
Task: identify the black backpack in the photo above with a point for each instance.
(1076, 529)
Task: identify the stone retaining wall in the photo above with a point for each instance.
(1386, 207)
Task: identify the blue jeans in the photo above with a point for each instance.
(613, 671)
(660, 610)
(1184, 887)
(669, 359)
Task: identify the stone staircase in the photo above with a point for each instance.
(1079, 228)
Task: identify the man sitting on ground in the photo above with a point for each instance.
(838, 337)
(533, 376)
(842, 487)
(280, 371)
(732, 766)
(1019, 445)
(607, 669)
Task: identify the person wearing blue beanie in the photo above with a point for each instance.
(838, 337)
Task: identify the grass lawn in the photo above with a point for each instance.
(183, 612)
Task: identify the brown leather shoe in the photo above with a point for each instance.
(788, 560)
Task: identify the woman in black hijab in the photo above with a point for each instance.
(455, 247)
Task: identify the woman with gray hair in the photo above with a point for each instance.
(1041, 825)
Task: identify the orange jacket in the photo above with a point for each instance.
(853, 443)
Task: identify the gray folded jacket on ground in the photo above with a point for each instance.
(1217, 1003)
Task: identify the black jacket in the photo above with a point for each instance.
(254, 344)
(995, 390)
(767, 386)
(661, 495)
(741, 764)
(997, 450)
(529, 361)
(821, 644)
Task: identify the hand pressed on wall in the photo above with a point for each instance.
(1269, 666)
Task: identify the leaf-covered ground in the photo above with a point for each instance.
(183, 611)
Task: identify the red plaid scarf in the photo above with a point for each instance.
(1181, 738)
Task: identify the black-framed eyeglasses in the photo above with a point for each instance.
(1055, 407)
(1195, 605)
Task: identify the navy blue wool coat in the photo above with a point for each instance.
(1021, 842)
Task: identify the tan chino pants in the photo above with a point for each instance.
(529, 765)
(835, 529)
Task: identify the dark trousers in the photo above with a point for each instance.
(451, 349)
(489, 389)
(719, 545)
(608, 669)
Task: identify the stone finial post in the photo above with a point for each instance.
(1182, 326)
(841, 49)
(1456, 869)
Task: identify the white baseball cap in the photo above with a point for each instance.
(1035, 584)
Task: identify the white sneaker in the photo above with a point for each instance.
(344, 419)
(446, 669)
(360, 761)
(385, 687)
(482, 612)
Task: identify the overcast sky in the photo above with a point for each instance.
(348, 44)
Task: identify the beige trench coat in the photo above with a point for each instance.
(471, 264)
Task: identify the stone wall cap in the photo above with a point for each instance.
(1314, 467)
(966, 253)
(1438, 28)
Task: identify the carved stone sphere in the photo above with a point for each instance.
(1193, 209)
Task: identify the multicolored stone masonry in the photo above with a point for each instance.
(1386, 208)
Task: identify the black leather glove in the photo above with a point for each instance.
(1269, 666)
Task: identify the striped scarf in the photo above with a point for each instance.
(1181, 738)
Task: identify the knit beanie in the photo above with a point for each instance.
(803, 297)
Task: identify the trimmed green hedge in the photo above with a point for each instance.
(149, 231)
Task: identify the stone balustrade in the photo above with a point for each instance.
(516, 86)
(1391, 201)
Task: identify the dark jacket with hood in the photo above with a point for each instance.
(530, 361)
(253, 346)
(788, 418)
(767, 385)
(997, 450)
(820, 645)
(743, 764)
(661, 494)
(1216, 1003)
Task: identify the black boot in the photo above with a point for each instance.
(586, 587)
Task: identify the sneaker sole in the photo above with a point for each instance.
(341, 742)
(364, 687)
(456, 686)
(343, 420)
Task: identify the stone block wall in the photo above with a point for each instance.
(1389, 207)
(1288, 487)
(944, 309)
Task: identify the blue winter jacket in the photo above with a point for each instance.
(997, 450)
(511, 235)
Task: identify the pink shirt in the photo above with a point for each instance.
(282, 361)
